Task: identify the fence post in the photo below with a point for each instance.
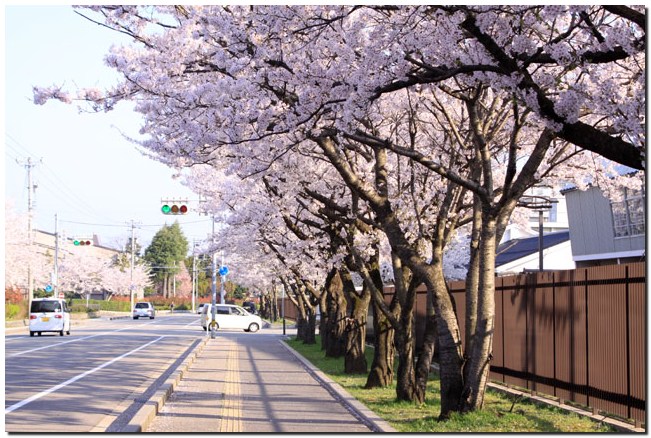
(628, 349)
(587, 343)
(554, 326)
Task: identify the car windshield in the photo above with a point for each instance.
(142, 306)
(45, 306)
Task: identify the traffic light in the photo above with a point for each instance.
(82, 242)
(174, 208)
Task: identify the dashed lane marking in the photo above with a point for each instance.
(77, 377)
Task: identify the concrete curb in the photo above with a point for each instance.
(150, 409)
(377, 424)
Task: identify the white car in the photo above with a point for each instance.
(230, 316)
(144, 309)
(49, 315)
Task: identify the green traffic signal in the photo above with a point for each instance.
(76, 242)
(165, 209)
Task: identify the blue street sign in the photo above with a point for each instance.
(223, 271)
(48, 288)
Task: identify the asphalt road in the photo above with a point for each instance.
(96, 378)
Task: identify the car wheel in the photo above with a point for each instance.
(31, 333)
(254, 327)
(61, 333)
(39, 333)
(135, 317)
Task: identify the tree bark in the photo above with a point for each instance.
(381, 373)
(335, 325)
(355, 360)
(478, 366)
(426, 353)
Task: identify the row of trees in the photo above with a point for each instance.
(345, 147)
(163, 268)
(79, 271)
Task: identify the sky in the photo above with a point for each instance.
(88, 174)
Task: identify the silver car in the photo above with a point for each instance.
(146, 310)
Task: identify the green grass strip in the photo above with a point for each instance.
(501, 413)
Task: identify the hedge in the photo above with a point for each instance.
(79, 305)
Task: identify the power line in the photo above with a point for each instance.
(28, 152)
(180, 223)
(96, 225)
(60, 187)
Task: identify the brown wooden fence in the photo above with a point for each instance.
(577, 335)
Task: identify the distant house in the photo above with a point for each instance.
(604, 232)
(519, 255)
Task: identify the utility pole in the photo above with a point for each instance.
(55, 280)
(30, 207)
(194, 273)
(174, 282)
(133, 257)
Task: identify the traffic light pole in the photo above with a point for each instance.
(194, 274)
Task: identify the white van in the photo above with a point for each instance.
(229, 316)
(49, 315)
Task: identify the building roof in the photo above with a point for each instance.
(518, 248)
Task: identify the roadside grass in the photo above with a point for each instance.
(501, 413)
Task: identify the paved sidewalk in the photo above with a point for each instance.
(242, 382)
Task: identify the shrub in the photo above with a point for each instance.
(12, 311)
(15, 311)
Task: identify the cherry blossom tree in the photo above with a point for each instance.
(254, 90)
(21, 255)
(119, 281)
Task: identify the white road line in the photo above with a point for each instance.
(72, 340)
(74, 379)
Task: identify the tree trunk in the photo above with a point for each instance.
(323, 321)
(405, 344)
(355, 359)
(405, 289)
(426, 353)
(310, 335)
(472, 278)
(478, 367)
(381, 373)
(335, 326)
(355, 325)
